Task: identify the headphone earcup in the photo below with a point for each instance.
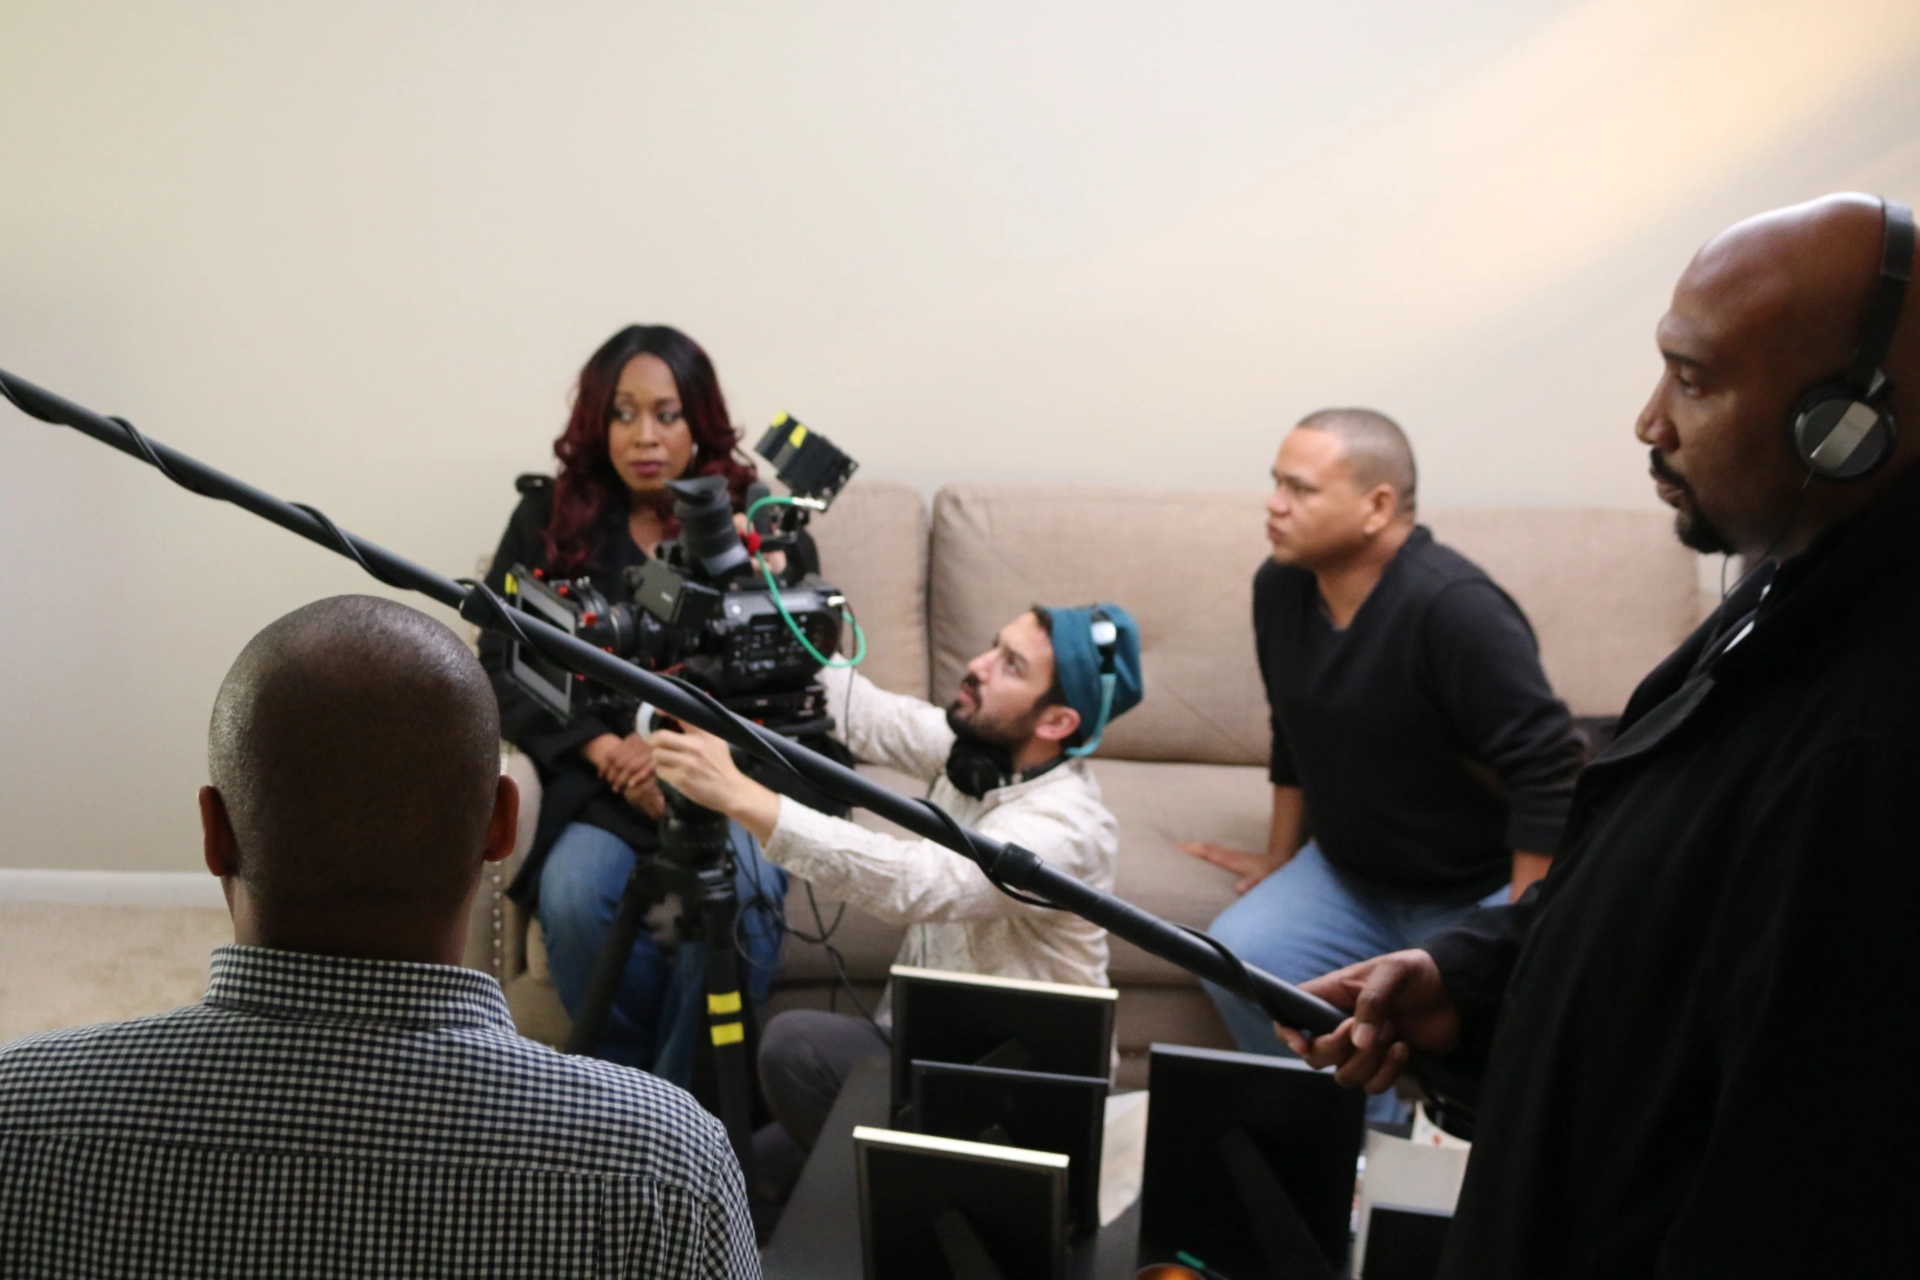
(973, 770)
(1837, 436)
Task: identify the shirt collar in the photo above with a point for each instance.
(1810, 597)
(398, 993)
(1070, 767)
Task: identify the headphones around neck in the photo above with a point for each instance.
(1844, 430)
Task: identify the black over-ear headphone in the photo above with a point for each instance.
(1844, 430)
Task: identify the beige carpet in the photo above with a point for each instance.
(67, 966)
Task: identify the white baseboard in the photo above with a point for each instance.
(111, 888)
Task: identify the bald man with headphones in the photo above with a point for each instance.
(1694, 1039)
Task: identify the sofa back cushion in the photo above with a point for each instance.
(873, 546)
(1181, 562)
(1609, 593)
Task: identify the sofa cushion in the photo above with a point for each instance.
(873, 546)
(1158, 804)
(1181, 562)
(1146, 1016)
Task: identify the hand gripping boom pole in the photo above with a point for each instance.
(1006, 864)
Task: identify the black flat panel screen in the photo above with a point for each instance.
(1014, 1201)
(1001, 1022)
(1404, 1244)
(1066, 1114)
(1305, 1127)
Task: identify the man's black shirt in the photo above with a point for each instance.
(1424, 735)
(1697, 1033)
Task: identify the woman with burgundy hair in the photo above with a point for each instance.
(647, 411)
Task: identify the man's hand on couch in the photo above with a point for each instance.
(1251, 868)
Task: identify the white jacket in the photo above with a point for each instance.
(957, 919)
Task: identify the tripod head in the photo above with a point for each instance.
(692, 836)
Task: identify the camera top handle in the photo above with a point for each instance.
(1007, 864)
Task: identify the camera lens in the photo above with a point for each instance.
(707, 533)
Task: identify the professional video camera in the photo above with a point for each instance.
(702, 607)
(709, 608)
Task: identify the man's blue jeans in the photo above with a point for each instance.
(1307, 919)
(659, 1006)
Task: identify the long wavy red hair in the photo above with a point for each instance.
(589, 490)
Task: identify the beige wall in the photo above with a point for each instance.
(355, 251)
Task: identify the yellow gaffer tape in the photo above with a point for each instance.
(729, 1032)
(724, 1002)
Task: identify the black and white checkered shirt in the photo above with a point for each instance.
(317, 1116)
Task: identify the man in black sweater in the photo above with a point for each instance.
(1692, 1037)
(1414, 733)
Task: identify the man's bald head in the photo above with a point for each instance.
(1766, 310)
(1796, 283)
(355, 745)
(1376, 450)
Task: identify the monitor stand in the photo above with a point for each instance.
(1009, 1055)
(960, 1245)
(1286, 1246)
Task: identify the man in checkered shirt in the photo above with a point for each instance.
(347, 1100)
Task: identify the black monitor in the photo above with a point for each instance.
(1250, 1162)
(1030, 1109)
(932, 1207)
(998, 1022)
(548, 681)
(1404, 1243)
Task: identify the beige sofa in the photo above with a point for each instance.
(1609, 593)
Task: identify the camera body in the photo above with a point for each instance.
(699, 607)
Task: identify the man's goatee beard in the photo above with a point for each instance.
(1697, 533)
(971, 734)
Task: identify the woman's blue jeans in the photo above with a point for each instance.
(1307, 919)
(659, 1007)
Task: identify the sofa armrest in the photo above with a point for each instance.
(497, 927)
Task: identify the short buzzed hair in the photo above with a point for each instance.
(355, 744)
(1376, 449)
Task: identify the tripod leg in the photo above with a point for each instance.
(591, 1019)
(727, 1012)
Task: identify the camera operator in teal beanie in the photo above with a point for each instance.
(1005, 757)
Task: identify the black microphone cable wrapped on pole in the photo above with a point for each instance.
(1007, 865)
